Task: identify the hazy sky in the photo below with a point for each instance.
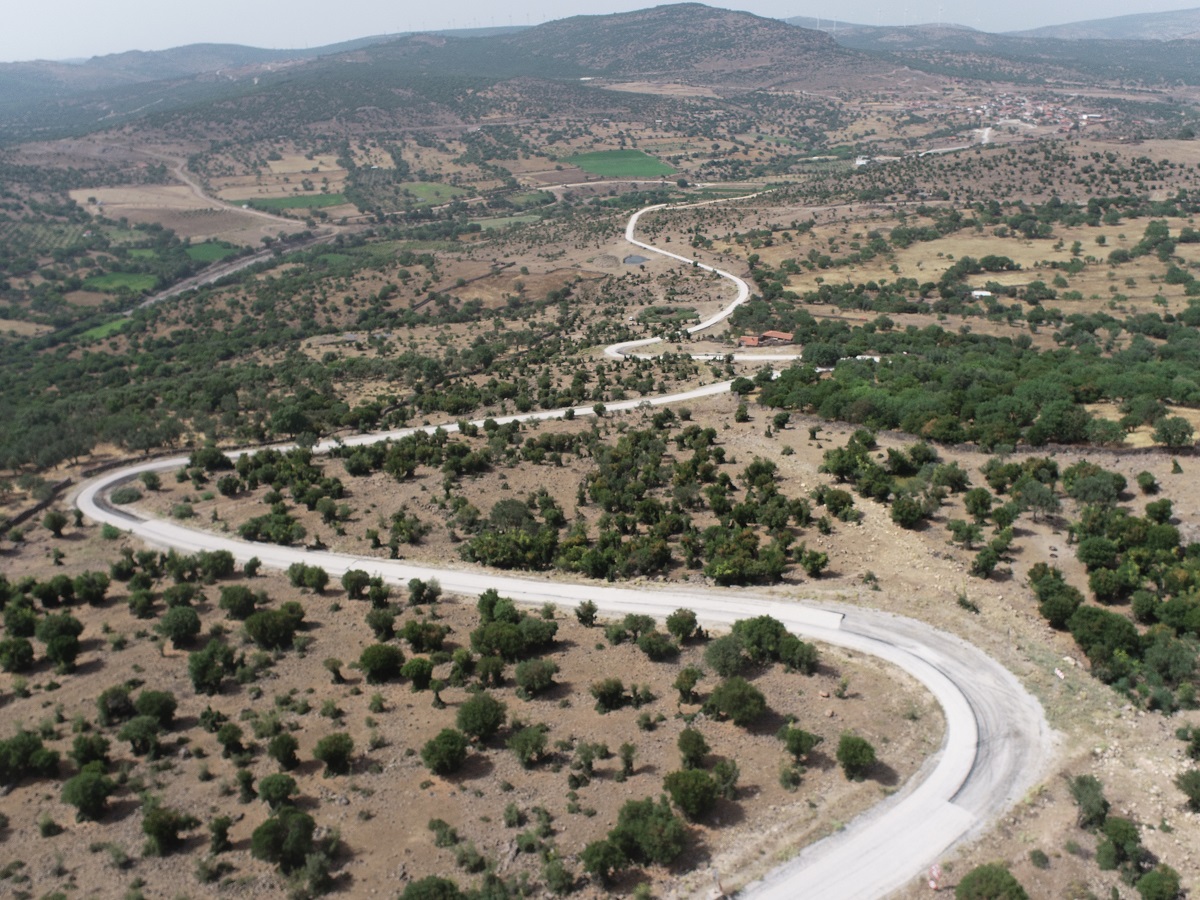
(64, 29)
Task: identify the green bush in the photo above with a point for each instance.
(1161, 883)
(142, 733)
(88, 792)
(275, 629)
(481, 716)
(209, 666)
(419, 671)
(1088, 794)
(162, 826)
(381, 663)
(445, 753)
(277, 790)
(179, 625)
(286, 839)
(989, 882)
(158, 705)
(528, 744)
(16, 655)
(432, 887)
(692, 748)
(533, 676)
(282, 748)
(738, 700)
(609, 694)
(856, 756)
(693, 791)
(336, 751)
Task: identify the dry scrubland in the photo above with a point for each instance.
(878, 564)
(380, 810)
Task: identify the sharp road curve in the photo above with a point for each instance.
(997, 743)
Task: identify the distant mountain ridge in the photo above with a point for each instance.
(676, 40)
(45, 80)
(1181, 24)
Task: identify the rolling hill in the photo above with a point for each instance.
(434, 78)
(1161, 26)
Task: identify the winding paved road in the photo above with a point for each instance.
(997, 743)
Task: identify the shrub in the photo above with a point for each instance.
(528, 744)
(277, 790)
(179, 625)
(114, 705)
(1122, 844)
(275, 629)
(432, 887)
(91, 587)
(685, 682)
(208, 667)
(990, 882)
(693, 791)
(382, 622)
(559, 879)
(1189, 783)
(282, 748)
(355, 582)
(312, 577)
(725, 656)
(381, 663)
(229, 736)
(1161, 883)
(285, 839)
(16, 655)
(162, 826)
(610, 694)
(682, 625)
(88, 792)
(89, 748)
(239, 601)
(445, 753)
(481, 716)
(335, 750)
(419, 671)
(799, 743)
(60, 633)
(158, 705)
(535, 675)
(603, 859)
(55, 521)
(657, 646)
(126, 494)
(692, 748)
(856, 756)
(648, 832)
(585, 613)
(738, 700)
(1088, 794)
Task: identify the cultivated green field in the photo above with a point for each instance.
(620, 164)
(114, 281)
(210, 251)
(505, 221)
(300, 201)
(103, 331)
(432, 192)
(526, 199)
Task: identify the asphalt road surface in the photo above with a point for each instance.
(997, 743)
